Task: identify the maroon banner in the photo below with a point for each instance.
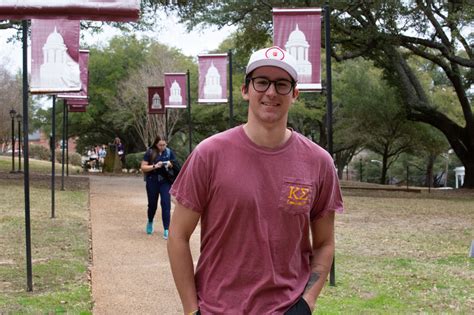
(102, 10)
(84, 70)
(76, 108)
(55, 56)
(175, 90)
(156, 100)
(77, 101)
(212, 78)
(298, 31)
(77, 104)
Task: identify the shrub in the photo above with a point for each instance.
(133, 161)
(75, 159)
(59, 156)
(39, 152)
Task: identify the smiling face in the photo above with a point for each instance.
(269, 107)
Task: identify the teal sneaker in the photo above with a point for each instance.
(149, 228)
(165, 234)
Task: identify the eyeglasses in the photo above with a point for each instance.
(282, 86)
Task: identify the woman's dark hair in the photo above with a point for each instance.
(154, 150)
(155, 142)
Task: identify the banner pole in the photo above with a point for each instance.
(63, 145)
(166, 123)
(189, 112)
(26, 160)
(231, 99)
(53, 157)
(67, 140)
(327, 40)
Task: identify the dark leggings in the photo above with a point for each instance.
(155, 188)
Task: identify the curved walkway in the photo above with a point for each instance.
(130, 269)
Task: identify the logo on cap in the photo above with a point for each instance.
(275, 53)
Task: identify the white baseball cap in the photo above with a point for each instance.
(275, 57)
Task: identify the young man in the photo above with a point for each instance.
(259, 190)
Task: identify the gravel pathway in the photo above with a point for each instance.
(130, 269)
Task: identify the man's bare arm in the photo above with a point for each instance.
(322, 231)
(183, 223)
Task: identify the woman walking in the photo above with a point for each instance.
(156, 161)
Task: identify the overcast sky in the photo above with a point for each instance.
(169, 32)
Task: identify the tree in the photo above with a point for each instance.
(108, 66)
(370, 116)
(131, 103)
(389, 33)
(119, 75)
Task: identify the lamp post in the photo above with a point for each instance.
(12, 116)
(19, 117)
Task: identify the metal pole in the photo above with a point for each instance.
(19, 142)
(12, 116)
(53, 157)
(26, 168)
(189, 113)
(67, 140)
(231, 99)
(166, 123)
(327, 29)
(63, 145)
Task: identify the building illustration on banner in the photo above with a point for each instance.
(156, 101)
(298, 47)
(58, 70)
(175, 94)
(212, 85)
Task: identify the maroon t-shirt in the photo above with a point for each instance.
(256, 205)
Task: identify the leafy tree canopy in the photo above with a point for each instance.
(387, 32)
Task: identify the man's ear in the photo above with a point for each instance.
(296, 92)
(245, 92)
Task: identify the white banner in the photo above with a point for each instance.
(55, 56)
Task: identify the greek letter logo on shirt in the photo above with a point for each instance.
(298, 195)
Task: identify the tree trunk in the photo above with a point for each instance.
(429, 171)
(469, 175)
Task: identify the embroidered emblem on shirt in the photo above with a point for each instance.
(298, 196)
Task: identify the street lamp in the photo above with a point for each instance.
(19, 117)
(12, 116)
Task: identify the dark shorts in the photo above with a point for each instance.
(299, 308)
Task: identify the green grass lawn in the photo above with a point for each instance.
(60, 246)
(36, 166)
(403, 253)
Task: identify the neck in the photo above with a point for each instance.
(268, 137)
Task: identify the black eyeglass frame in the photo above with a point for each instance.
(293, 84)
